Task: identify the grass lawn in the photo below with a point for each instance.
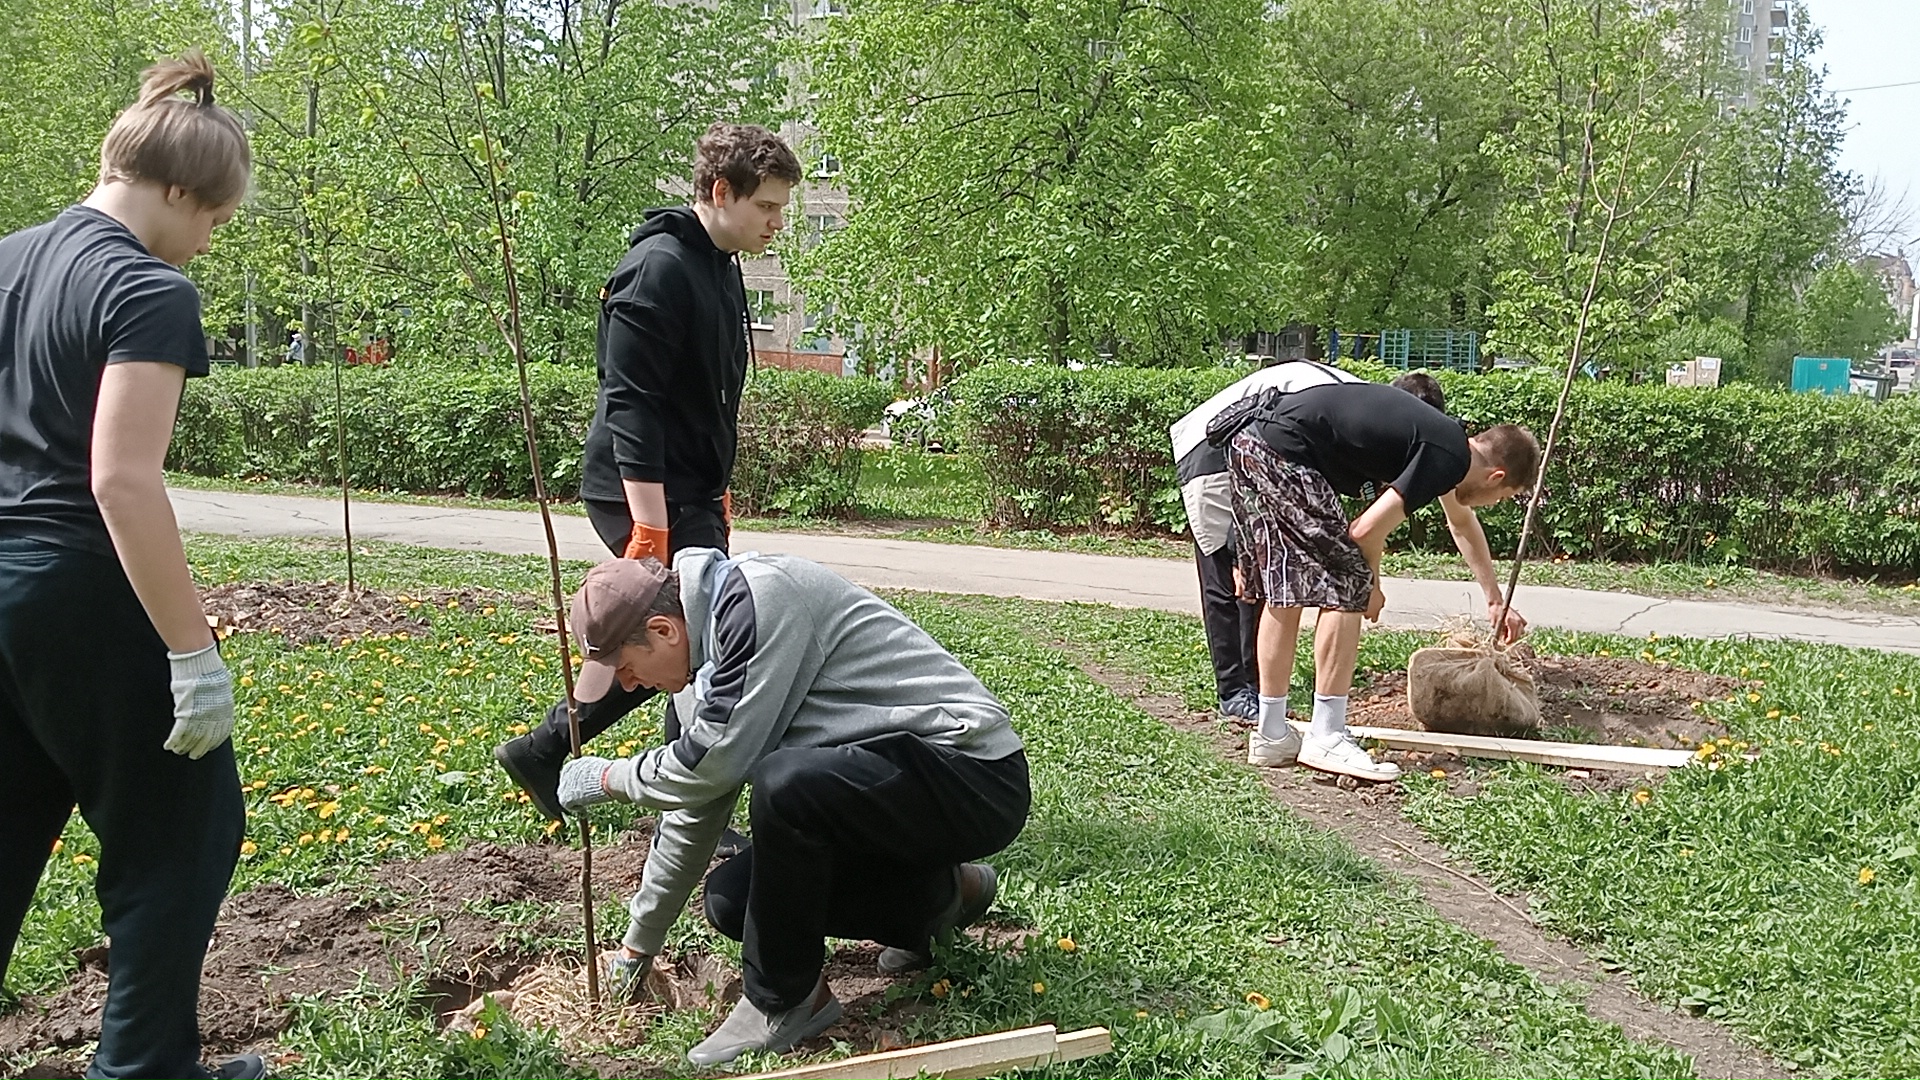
(1778, 896)
(1161, 892)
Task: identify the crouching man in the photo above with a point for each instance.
(1290, 463)
(880, 768)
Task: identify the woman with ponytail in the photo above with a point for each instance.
(113, 696)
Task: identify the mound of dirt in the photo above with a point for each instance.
(1599, 699)
(427, 919)
(313, 612)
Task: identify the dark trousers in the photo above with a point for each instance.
(860, 842)
(84, 709)
(1232, 624)
(691, 525)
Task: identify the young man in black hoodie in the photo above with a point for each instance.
(674, 337)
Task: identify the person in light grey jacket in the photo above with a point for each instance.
(880, 768)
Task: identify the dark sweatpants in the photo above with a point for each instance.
(1232, 624)
(697, 525)
(84, 709)
(856, 841)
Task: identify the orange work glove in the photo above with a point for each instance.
(648, 541)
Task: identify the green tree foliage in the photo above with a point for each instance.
(1058, 181)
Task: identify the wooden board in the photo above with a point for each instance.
(1565, 755)
(981, 1055)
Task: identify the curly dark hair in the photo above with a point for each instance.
(743, 155)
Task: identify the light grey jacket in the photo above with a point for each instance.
(785, 653)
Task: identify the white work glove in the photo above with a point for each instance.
(202, 702)
(583, 783)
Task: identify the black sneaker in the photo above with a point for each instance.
(244, 1067)
(539, 778)
(1242, 704)
(975, 885)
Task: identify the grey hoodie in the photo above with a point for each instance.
(785, 653)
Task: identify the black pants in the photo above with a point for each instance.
(691, 525)
(1233, 625)
(84, 709)
(856, 841)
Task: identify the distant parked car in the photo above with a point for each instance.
(1902, 369)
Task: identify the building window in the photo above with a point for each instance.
(760, 308)
(1746, 7)
(829, 166)
(812, 337)
(827, 9)
(1744, 35)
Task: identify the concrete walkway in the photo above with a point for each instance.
(1163, 584)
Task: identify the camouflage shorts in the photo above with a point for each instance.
(1290, 533)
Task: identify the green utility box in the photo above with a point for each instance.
(1822, 375)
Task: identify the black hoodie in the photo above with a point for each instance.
(672, 359)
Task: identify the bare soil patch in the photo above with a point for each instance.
(1369, 818)
(427, 919)
(315, 612)
(1599, 699)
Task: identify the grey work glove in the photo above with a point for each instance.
(583, 783)
(202, 702)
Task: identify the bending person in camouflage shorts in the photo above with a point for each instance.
(1290, 463)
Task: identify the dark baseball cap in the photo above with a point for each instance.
(608, 611)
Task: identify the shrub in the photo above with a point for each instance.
(1643, 472)
(800, 441)
(1059, 447)
(421, 429)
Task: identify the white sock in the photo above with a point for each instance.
(1273, 718)
(1329, 716)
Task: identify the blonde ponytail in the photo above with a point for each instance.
(175, 141)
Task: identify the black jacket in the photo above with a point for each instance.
(672, 358)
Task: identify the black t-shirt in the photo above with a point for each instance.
(76, 294)
(1359, 433)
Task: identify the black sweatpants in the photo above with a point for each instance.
(856, 841)
(695, 525)
(1232, 624)
(84, 709)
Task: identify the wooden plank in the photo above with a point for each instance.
(1565, 755)
(1087, 1043)
(997, 1052)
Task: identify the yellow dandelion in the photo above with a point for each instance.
(328, 809)
(488, 610)
(305, 839)
(1259, 1001)
(1039, 988)
(326, 706)
(479, 1031)
(248, 847)
(552, 827)
(436, 841)
(1752, 696)
(942, 988)
(1438, 774)
(246, 680)
(1139, 1014)
(326, 836)
(340, 837)
(57, 845)
(1773, 714)
(1067, 944)
(1866, 875)
(82, 860)
(1706, 751)
(1643, 796)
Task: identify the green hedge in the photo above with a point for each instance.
(1643, 472)
(426, 430)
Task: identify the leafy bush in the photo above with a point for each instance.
(426, 430)
(1737, 474)
(1060, 447)
(800, 441)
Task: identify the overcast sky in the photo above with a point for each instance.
(1868, 43)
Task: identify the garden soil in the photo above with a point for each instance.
(1608, 697)
(314, 612)
(421, 919)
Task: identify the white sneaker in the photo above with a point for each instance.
(1340, 755)
(1272, 753)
